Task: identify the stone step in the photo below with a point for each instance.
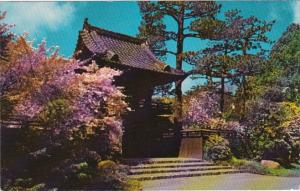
(176, 169)
(172, 165)
(136, 161)
(182, 174)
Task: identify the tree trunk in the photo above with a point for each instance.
(244, 81)
(179, 59)
(222, 99)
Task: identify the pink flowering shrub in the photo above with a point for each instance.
(80, 114)
(202, 108)
(203, 112)
(39, 77)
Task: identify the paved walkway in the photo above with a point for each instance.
(240, 181)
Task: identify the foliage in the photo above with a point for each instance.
(112, 174)
(256, 167)
(284, 172)
(38, 187)
(154, 28)
(217, 148)
(267, 131)
(201, 108)
(5, 36)
(228, 58)
(45, 85)
(202, 111)
(79, 116)
(54, 113)
(285, 53)
(164, 90)
(133, 185)
(270, 116)
(281, 71)
(285, 57)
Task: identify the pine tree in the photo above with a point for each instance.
(184, 14)
(229, 57)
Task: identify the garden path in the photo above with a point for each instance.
(239, 181)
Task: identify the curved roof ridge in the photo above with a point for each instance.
(130, 51)
(113, 34)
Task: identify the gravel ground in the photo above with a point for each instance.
(242, 181)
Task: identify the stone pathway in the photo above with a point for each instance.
(241, 181)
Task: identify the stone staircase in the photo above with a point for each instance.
(164, 168)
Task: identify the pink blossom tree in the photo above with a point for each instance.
(203, 112)
(202, 108)
(38, 83)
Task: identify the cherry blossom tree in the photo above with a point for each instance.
(38, 77)
(202, 108)
(203, 112)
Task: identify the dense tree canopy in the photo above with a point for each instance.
(5, 35)
(154, 28)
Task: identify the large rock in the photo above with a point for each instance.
(270, 164)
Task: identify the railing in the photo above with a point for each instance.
(15, 122)
(194, 133)
(191, 133)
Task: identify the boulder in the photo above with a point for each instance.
(270, 164)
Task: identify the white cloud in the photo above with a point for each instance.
(297, 12)
(34, 16)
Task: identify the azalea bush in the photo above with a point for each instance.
(79, 116)
(45, 87)
(217, 148)
(201, 108)
(202, 111)
(269, 127)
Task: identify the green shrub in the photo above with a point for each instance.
(112, 176)
(25, 184)
(38, 187)
(251, 166)
(217, 148)
(268, 126)
(257, 168)
(254, 167)
(237, 162)
(132, 185)
(279, 151)
(107, 169)
(295, 155)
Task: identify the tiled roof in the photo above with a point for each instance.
(126, 50)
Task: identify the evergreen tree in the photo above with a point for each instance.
(229, 57)
(5, 36)
(154, 27)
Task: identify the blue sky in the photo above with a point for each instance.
(59, 22)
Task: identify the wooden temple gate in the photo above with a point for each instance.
(146, 133)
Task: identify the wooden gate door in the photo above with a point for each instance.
(191, 145)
